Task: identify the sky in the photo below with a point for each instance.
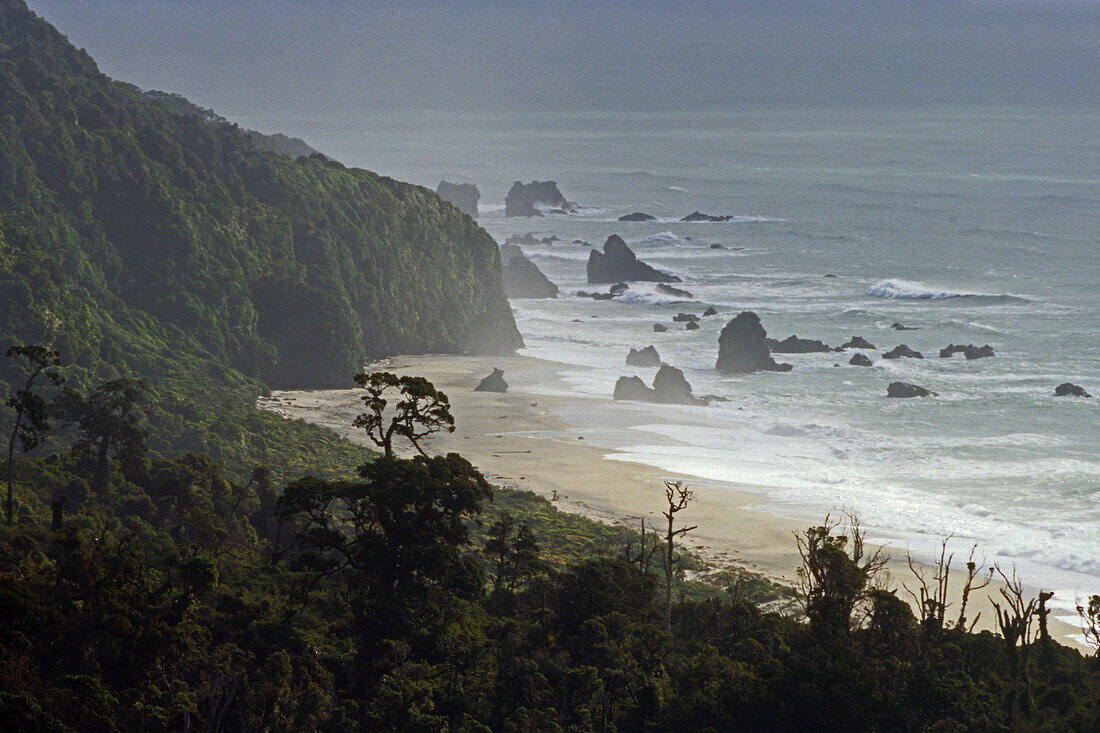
(245, 58)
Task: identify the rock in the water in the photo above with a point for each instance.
(658, 328)
(637, 216)
(709, 312)
(618, 262)
(899, 327)
(595, 296)
(829, 275)
(716, 246)
(691, 326)
(859, 360)
(493, 383)
(632, 389)
(700, 216)
(685, 317)
(522, 278)
(795, 345)
(646, 357)
(464, 196)
(904, 389)
(1070, 390)
(899, 351)
(970, 351)
(674, 292)
(858, 342)
(618, 288)
(743, 347)
(507, 252)
(532, 199)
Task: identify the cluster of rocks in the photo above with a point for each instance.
(1070, 390)
(795, 345)
(743, 347)
(670, 387)
(970, 351)
(617, 262)
(692, 217)
(464, 196)
(530, 239)
(536, 198)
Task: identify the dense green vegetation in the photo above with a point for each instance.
(147, 243)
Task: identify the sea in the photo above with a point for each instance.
(969, 225)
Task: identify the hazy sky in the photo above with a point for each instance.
(246, 58)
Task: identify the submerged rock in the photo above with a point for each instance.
(860, 360)
(700, 216)
(464, 196)
(637, 216)
(743, 347)
(532, 199)
(857, 342)
(523, 279)
(493, 383)
(795, 345)
(904, 390)
(674, 292)
(898, 327)
(1070, 390)
(647, 357)
(618, 262)
(669, 388)
(658, 328)
(899, 351)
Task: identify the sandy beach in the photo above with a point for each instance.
(519, 439)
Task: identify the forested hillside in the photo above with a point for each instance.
(139, 239)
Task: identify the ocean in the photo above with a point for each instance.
(971, 225)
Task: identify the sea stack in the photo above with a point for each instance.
(493, 383)
(464, 196)
(743, 347)
(535, 198)
(618, 263)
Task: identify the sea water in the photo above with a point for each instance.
(970, 225)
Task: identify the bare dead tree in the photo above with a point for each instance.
(678, 496)
(648, 546)
(933, 587)
(971, 584)
(1014, 620)
(1090, 622)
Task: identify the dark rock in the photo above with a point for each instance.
(595, 296)
(743, 348)
(493, 383)
(795, 345)
(970, 351)
(716, 246)
(637, 216)
(904, 390)
(858, 342)
(528, 199)
(507, 252)
(899, 327)
(646, 357)
(830, 275)
(899, 351)
(1070, 390)
(709, 312)
(685, 317)
(619, 288)
(700, 216)
(581, 241)
(529, 239)
(691, 326)
(618, 262)
(658, 328)
(464, 196)
(632, 389)
(674, 292)
(522, 279)
(859, 360)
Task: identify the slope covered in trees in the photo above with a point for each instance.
(174, 248)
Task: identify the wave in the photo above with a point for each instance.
(896, 289)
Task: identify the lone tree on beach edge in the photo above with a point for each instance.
(419, 410)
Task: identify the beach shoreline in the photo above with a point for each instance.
(520, 440)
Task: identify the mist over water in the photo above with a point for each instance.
(941, 161)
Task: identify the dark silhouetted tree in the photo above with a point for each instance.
(418, 410)
(110, 423)
(37, 366)
(678, 497)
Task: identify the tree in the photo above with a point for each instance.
(35, 363)
(109, 420)
(678, 497)
(419, 410)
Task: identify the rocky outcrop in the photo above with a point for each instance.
(905, 390)
(670, 387)
(970, 351)
(647, 357)
(618, 288)
(743, 347)
(618, 262)
(857, 342)
(902, 351)
(464, 196)
(493, 383)
(859, 360)
(1070, 390)
(658, 328)
(709, 312)
(691, 326)
(700, 216)
(684, 317)
(795, 345)
(522, 278)
(529, 239)
(535, 198)
(899, 327)
(637, 216)
(674, 292)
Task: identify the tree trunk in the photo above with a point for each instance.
(10, 503)
(668, 577)
(100, 480)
